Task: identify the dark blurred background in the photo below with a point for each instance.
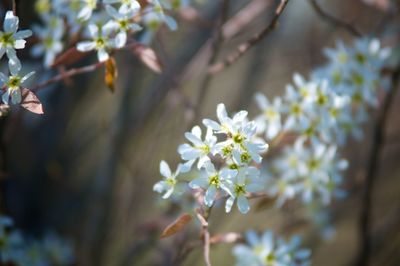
(87, 166)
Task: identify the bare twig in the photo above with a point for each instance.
(372, 170)
(246, 46)
(217, 41)
(66, 74)
(206, 236)
(335, 21)
(15, 7)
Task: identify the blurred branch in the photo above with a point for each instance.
(247, 45)
(206, 236)
(15, 7)
(66, 74)
(216, 44)
(372, 170)
(335, 21)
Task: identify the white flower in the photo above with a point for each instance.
(86, 9)
(123, 24)
(127, 6)
(12, 39)
(270, 120)
(268, 250)
(50, 39)
(226, 124)
(199, 149)
(213, 182)
(154, 17)
(12, 85)
(246, 181)
(169, 183)
(101, 41)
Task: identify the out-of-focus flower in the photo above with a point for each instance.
(101, 41)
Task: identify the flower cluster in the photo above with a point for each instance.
(11, 39)
(106, 25)
(267, 250)
(15, 249)
(321, 112)
(225, 167)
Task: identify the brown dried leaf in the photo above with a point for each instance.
(148, 56)
(111, 73)
(69, 57)
(177, 225)
(31, 102)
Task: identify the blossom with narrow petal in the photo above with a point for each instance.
(50, 37)
(12, 85)
(101, 40)
(213, 182)
(122, 23)
(167, 186)
(11, 39)
(246, 181)
(270, 121)
(199, 149)
(126, 6)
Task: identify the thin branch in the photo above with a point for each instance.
(15, 7)
(335, 21)
(246, 46)
(216, 44)
(206, 236)
(66, 74)
(372, 170)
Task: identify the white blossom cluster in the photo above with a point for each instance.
(15, 249)
(268, 250)
(12, 39)
(321, 112)
(106, 24)
(225, 158)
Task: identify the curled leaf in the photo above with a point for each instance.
(111, 73)
(148, 57)
(69, 57)
(177, 225)
(31, 102)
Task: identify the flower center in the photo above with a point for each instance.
(240, 189)
(214, 180)
(14, 82)
(171, 181)
(7, 39)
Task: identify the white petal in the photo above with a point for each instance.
(85, 46)
(3, 78)
(164, 169)
(221, 112)
(10, 22)
(229, 203)
(102, 55)
(5, 96)
(198, 183)
(27, 76)
(194, 139)
(211, 124)
(23, 34)
(120, 40)
(210, 195)
(16, 96)
(19, 44)
(243, 204)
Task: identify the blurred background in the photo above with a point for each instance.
(86, 168)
